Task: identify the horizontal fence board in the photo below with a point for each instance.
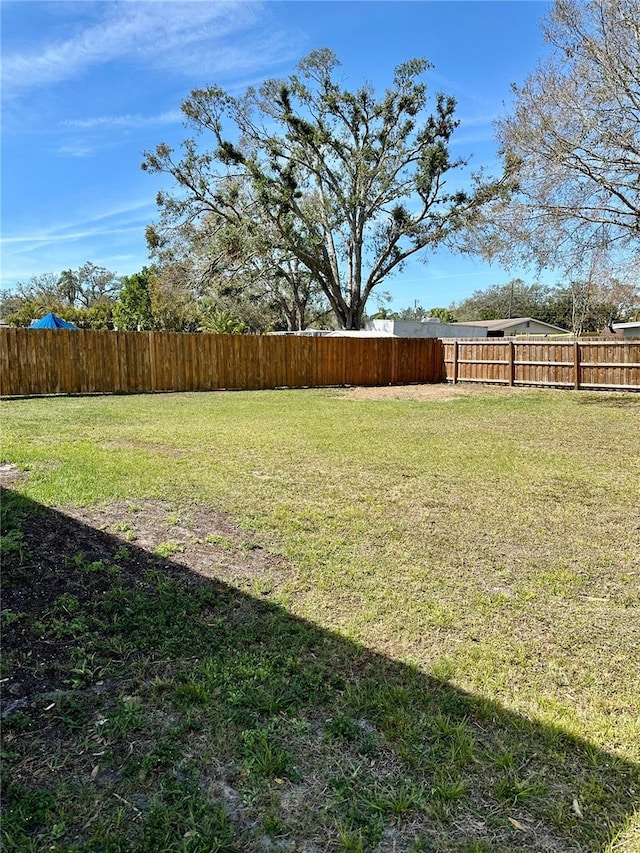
(84, 361)
(610, 387)
(601, 365)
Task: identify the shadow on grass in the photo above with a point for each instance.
(148, 708)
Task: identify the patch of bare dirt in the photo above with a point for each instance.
(201, 538)
(442, 393)
(10, 474)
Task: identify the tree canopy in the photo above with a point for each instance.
(133, 309)
(572, 144)
(347, 185)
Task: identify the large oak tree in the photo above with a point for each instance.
(347, 184)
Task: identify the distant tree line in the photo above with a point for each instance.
(166, 300)
(85, 296)
(171, 297)
(580, 307)
(586, 305)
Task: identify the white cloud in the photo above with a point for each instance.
(180, 36)
(123, 121)
(76, 149)
(115, 220)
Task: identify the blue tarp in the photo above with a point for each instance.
(52, 321)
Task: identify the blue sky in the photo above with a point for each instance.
(88, 86)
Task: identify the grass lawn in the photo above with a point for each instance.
(401, 619)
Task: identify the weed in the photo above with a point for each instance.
(85, 667)
(125, 721)
(351, 841)
(10, 617)
(342, 726)
(163, 756)
(396, 799)
(263, 757)
(221, 541)
(27, 810)
(273, 825)
(505, 757)
(179, 817)
(190, 693)
(168, 549)
(12, 543)
(516, 792)
(448, 790)
(17, 723)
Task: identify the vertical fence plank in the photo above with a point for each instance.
(153, 382)
(511, 363)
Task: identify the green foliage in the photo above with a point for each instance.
(168, 549)
(263, 756)
(22, 312)
(415, 314)
(219, 321)
(445, 315)
(133, 309)
(11, 543)
(87, 286)
(235, 263)
(99, 316)
(174, 297)
(500, 301)
(27, 811)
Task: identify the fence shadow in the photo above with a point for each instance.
(147, 707)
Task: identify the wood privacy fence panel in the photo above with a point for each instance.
(83, 361)
(599, 365)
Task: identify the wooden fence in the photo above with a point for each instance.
(55, 361)
(65, 361)
(597, 365)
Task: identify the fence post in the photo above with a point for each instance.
(455, 362)
(512, 368)
(576, 365)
